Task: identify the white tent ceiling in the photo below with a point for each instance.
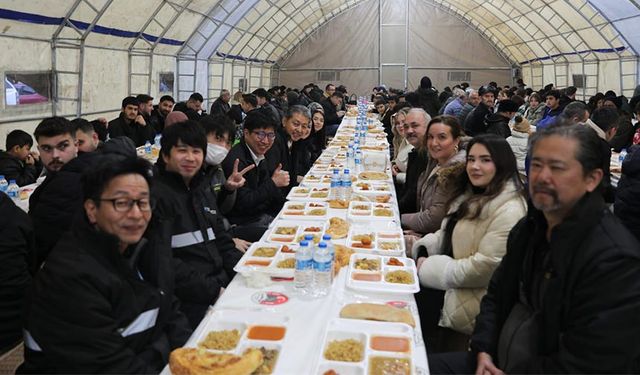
(268, 30)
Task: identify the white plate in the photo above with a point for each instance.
(363, 331)
(305, 210)
(366, 211)
(378, 283)
(250, 262)
(382, 239)
(306, 193)
(244, 321)
(372, 187)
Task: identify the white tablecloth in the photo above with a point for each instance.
(308, 318)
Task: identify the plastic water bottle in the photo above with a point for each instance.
(358, 161)
(3, 184)
(156, 140)
(322, 269)
(302, 277)
(345, 184)
(623, 154)
(334, 191)
(350, 155)
(363, 137)
(147, 148)
(332, 250)
(13, 191)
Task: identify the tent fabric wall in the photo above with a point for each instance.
(430, 51)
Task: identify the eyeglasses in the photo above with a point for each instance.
(262, 135)
(125, 204)
(47, 149)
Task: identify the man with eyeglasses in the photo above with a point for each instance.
(203, 252)
(290, 149)
(261, 197)
(104, 300)
(54, 203)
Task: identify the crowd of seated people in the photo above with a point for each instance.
(502, 192)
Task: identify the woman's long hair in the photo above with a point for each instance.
(318, 138)
(397, 138)
(506, 170)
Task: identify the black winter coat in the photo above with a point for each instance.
(95, 310)
(219, 107)
(203, 252)
(428, 99)
(13, 168)
(474, 124)
(498, 125)
(330, 112)
(259, 195)
(295, 160)
(416, 164)
(139, 134)
(627, 202)
(55, 203)
(16, 247)
(590, 314)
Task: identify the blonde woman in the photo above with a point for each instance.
(401, 147)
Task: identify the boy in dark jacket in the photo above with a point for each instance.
(18, 162)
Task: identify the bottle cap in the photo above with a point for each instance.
(304, 243)
(322, 245)
(12, 181)
(326, 237)
(308, 237)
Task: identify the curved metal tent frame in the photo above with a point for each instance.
(548, 40)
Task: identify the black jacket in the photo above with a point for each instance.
(416, 164)
(474, 124)
(219, 107)
(14, 169)
(295, 160)
(590, 313)
(627, 202)
(259, 195)
(191, 114)
(428, 99)
(157, 121)
(235, 113)
(497, 124)
(203, 252)
(95, 310)
(16, 247)
(139, 134)
(623, 137)
(330, 112)
(54, 204)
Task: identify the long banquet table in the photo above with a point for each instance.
(306, 319)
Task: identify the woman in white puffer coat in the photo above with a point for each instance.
(461, 256)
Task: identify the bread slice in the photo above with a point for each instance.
(191, 361)
(376, 311)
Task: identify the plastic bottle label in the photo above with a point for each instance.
(304, 264)
(322, 266)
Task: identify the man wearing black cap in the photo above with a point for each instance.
(498, 123)
(129, 124)
(474, 124)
